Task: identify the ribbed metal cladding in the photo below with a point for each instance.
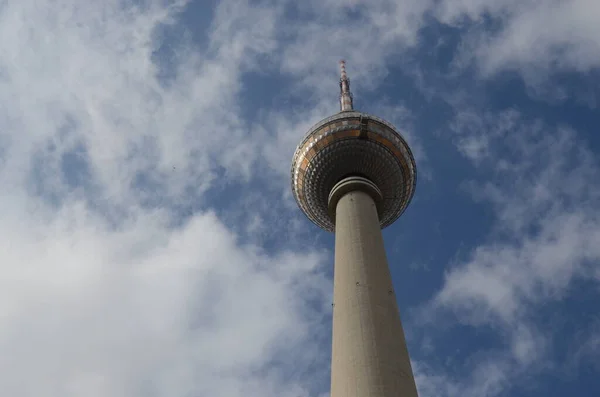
(352, 143)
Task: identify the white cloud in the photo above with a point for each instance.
(546, 236)
(537, 39)
(84, 76)
(117, 279)
(496, 36)
(365, 34)
(124, 283)
(543, 191)
(85, 307)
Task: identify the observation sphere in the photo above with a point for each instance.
(352, 143)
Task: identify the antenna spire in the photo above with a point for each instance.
(345, 94)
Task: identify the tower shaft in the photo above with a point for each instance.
(369, 353)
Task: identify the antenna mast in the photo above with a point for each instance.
(345, 94)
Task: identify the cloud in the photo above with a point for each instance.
(365, 34)
(98, 89)
(148, 308)
(495, 35)
(513, 36)
(542, 189)
(117, 276)
(523, 39)
(121, 274)
(545, 237)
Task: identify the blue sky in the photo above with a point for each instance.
(150, 242)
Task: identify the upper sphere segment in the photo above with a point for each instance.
(352, 143)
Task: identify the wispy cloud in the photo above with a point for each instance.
(148, 243)
(545, 237)
(117, 278)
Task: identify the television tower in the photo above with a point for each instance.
(354, 174)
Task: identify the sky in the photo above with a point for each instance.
(150, 244)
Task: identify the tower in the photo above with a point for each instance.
(354, 174)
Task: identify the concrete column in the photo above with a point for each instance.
(369, 354)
